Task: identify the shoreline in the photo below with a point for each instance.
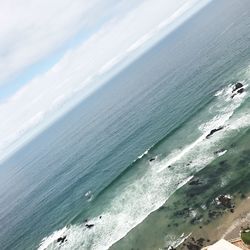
(227, 226)
(210, 206)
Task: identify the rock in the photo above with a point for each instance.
(89, 225)
(169, 166)
(194, 181)
(232, 96)
(171, 248)
(61, 239)
(214, 131)
(237, 86)
(192, 246)
(238, 89)
(152, 159)
(200, 241)
(225, 200)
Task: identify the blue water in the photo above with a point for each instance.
(84, 166)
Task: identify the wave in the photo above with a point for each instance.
(135, 197)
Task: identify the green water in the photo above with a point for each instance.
(194, 206)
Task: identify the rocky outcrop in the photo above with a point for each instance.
(152, 159)
(237, 89)
(214, 131)
(62, 239)
(225, 200)
(194, 181)
(237, 86)
(89, 225)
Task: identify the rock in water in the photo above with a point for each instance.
(214, 131)
(61, 239)
(237, 86)
(89, 225)
(225, 200)
(238, 89)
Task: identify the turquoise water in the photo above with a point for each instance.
(95, 161)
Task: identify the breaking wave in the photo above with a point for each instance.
(135, 197)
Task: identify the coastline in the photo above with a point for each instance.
(192, 218)
(227, 226)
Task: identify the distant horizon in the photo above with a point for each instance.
(42, 117)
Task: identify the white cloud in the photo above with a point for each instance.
(31, 30)
(42, 98)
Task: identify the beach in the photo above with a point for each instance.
(227, 226)
(194, 217)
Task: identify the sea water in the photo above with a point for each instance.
(93, 165)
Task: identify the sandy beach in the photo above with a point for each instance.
(227, 226)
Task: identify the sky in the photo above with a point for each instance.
(53, 53)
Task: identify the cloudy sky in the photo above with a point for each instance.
(54, 50)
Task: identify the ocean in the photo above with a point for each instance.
(116, 159)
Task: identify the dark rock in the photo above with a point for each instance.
(61, 239)
(237, 86)
(171, 248)
(169, 166)
(194, 181)
(225, 200)
(89, 225)
(238, 89)
(200, 241)
(192, 246)
(214, 131)
(152, 159)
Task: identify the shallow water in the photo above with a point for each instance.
(194, 205)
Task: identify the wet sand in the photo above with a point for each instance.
(228, 226)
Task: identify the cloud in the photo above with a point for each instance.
(31, 30)
(79, 72)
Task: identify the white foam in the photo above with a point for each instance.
(48, 241)
(173, 241)
(133, 202)
(144, 153)
(221, 153)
